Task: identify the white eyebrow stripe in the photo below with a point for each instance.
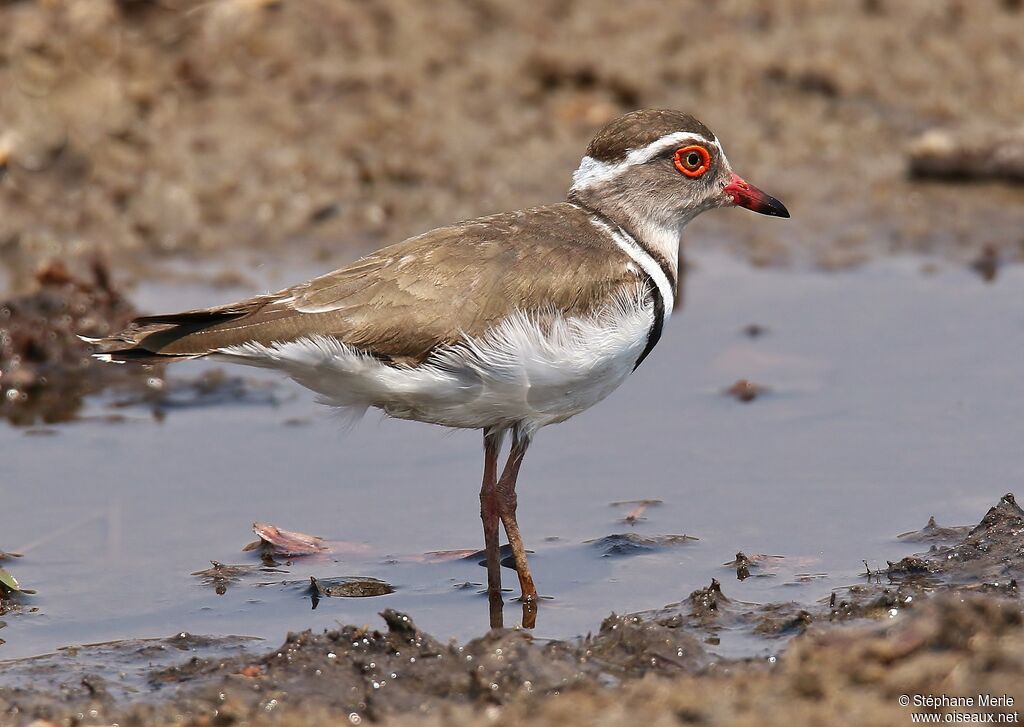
(591, 171)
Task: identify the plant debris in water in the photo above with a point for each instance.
(221, 575)
(286, 542)
(746, 391)
(637, 509)
(12, 596)
(8, 583)
(635, 544)
(347, 587)
(744, 564)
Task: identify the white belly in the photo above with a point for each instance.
(517, 373)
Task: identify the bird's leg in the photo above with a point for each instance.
(530, 614)
(489, 514)
(507, 512)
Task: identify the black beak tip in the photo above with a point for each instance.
(775, 208)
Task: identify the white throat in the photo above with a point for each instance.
(661, 240)
(640, 255)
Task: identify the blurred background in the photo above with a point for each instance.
(143, 129)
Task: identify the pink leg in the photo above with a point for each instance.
(489, 514)
(506, 489)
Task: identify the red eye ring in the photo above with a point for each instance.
(685, 164)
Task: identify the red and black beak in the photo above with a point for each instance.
(747, 195)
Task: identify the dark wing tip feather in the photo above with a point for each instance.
(138, 355)
(195, 317)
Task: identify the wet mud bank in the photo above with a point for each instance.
(945, 621)
(45, 369)
(182, 127)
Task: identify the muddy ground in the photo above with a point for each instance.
(947, 622)
(137, 132)
(145, 128)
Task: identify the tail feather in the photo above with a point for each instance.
(141, 356)
(146, 343)
(169, 337)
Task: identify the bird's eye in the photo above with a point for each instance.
(692, 161)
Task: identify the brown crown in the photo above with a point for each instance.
(637, 129)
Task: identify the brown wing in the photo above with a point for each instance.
(403, 301)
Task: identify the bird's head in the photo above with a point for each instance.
(661, 169)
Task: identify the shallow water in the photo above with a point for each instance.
(895, 395)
